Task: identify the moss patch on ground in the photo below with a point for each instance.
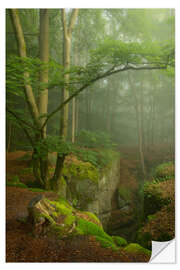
(137, 249)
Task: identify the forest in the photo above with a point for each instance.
(90, 133)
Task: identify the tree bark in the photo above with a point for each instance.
(139, 128)
(9, 137)
(73, 119)
(67, 34)
(43, 95)
(22, 52)
(44, 57)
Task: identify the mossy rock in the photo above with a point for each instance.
(61, 218)
(135, 248)
(105, 243)
(153, 198)
(124, 193)
(119, 241)
(165, 171)
(93, 217)
(81, 170)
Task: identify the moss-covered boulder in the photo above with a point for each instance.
(165, 171)
(159, 208)
(119, 241)
(156, 195)
(57, 217)
(135, 248)
(61, 219)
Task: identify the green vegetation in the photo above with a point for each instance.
(15, 182)
(125, 193)
(12, 184)
(96, 139)
(81, 171)
(119, 241)
(136, 248)
(151, 217)
(106, 243)
(91, 228)
(164, 172)
(92, 216)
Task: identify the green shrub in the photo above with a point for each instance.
(164, 172)
(15, 179)
(92, 139)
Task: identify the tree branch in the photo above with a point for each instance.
(72, 21)
(106, 74)
(63, 19)
(21, 122)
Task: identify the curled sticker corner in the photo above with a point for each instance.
(160, 250)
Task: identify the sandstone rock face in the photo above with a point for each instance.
(96, 196)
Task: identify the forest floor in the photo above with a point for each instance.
(22, 246)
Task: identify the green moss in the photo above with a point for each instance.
(106, 243)
(119, 241)
(27, 171)
(12, 184)
(151, 217)
(69, 219)
(91, 228)
(54, 214)
(15, 179)
(62, 207)
(36, 189)
(124, 193)
(82, 170)
(164, 171)
(136, 248)
(92, 216)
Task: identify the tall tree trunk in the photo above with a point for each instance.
(40, 167)
(9, 136)
(67, 34)
(77, 116)
(74, 102)
(73, 119)
(43, 95)
(44, 57)
(139, 128)
(22, 52)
